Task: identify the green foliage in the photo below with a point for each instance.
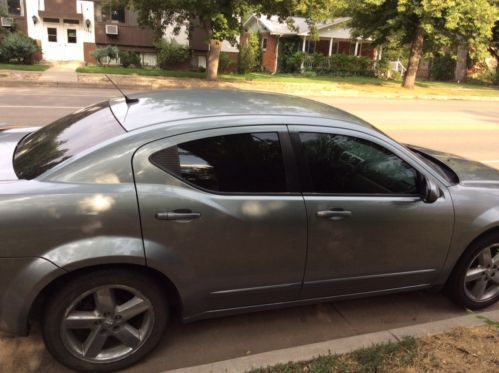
(109, 51)
(129, 58)
(382, 68)
(442, 68)
(337, 64)
(225, 63)
(19, 47)
(171, 53)
(292, 63)
(250, 54)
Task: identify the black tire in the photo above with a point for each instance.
(456, 286)
(58, 306)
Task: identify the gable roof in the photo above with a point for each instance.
(300, 26)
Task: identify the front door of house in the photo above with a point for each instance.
(62, 42)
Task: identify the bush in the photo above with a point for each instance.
(129, 58)
(171, 53)
(382, 68)
(249, 54)
(18, 46)
(225, 63)
(110, 52)
(442, 68)
(294, 61)
(337, 64)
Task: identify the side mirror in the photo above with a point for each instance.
(431, 192)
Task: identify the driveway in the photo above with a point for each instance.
(462, 127)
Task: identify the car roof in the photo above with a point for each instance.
(159, 107)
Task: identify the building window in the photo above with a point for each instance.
(264, 44)
(71, 36)
(71, 21)
(110, 13)
(52, 33)
(50, 20)
(14, 7)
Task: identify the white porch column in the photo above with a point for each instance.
(330, 47)
(304, 44)
(356, 48)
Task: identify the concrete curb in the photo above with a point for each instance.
(40, 83)
(336, 346)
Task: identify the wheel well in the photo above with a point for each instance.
(171, 292)
(489, 232)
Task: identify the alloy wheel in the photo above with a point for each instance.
(481, 282)
(107, 323)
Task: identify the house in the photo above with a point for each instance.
(334, 37)
(69, 30)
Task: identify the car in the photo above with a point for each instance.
(214, 202)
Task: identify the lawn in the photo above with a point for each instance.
(318, 83)
(13, 66)
(461, 350)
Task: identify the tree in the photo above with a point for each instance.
(221, 19)
(415, 22)
(493, 49)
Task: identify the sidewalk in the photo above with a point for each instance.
(61, 72)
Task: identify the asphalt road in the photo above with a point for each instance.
(467, 128)
(463, 127)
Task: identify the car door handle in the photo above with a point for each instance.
(333, 214)
(179, 216)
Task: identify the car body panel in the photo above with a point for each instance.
(241, 246)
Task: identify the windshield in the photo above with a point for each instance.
(55, 143)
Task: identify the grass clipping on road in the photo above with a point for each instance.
(461, 350)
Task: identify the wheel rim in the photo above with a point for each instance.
(481, 282)
(107, 323)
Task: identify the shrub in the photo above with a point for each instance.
(110, 52)
(18, 46)
(225, 63)
(382, 68)
(442, 68)
(249, 54)
(171, 53)
(336, 64)
(129, 58)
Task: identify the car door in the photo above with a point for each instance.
(220, 216)
(369, 229)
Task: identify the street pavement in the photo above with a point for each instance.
(469, 128)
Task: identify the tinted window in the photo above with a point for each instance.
(61, 140)
(343, 164)
(242, 163)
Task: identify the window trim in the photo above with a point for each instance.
(289, 164)
(305, 173)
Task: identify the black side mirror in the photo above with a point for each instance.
(431, 192)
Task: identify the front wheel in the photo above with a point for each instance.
(105, 320)
(474, 282)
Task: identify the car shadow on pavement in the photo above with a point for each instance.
(213, 340)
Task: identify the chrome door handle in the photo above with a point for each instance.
(333, 214)
(179, 216)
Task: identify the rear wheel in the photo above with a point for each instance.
(475, 280)
(104, 320)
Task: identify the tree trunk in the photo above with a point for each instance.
(414, 58)
(213, 57)
(461, 65)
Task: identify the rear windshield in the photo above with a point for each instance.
(46, 148)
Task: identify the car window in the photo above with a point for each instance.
(239, 163)
(63, 139)
(349, 165)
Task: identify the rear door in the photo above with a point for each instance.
(220, 215)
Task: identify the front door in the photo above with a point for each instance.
(62, 42)
(219, 217)
(369, 229)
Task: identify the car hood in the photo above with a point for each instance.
(471, 173)
(9, 138)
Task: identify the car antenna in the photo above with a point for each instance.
(128, 100)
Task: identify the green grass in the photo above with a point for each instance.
(359, 83)
(366, 360)
(13, 66)
(141, 71)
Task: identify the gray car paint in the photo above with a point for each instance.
(85, 212)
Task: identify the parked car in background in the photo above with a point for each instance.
(217, 202)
